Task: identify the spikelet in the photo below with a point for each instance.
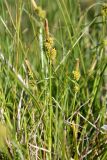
(53, 54)
(76, 72)
(76, 77)
(50, 41)
(40, 12)
(76, 88)
(46, 29)
(49, 44)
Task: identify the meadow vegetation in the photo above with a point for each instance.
(53, 80)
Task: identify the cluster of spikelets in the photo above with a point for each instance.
(49, 44)
(40, 12)
(76, 76)
(30, 79)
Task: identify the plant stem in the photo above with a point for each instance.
(50, 110)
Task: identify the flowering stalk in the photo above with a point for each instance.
(41, 14)
(49, 44)
(76, 77)
(51, 55)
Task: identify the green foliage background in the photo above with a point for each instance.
(42, 114)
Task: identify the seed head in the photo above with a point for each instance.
(76, 72)
(76, 88)
(48, 46)
(53, 54)
(46, 27)
(76, 75)
(41, 13)
(50, 40)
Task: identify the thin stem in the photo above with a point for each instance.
(50, 109)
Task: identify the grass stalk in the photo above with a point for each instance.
(50, 110)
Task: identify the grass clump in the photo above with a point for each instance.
(53, 83)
